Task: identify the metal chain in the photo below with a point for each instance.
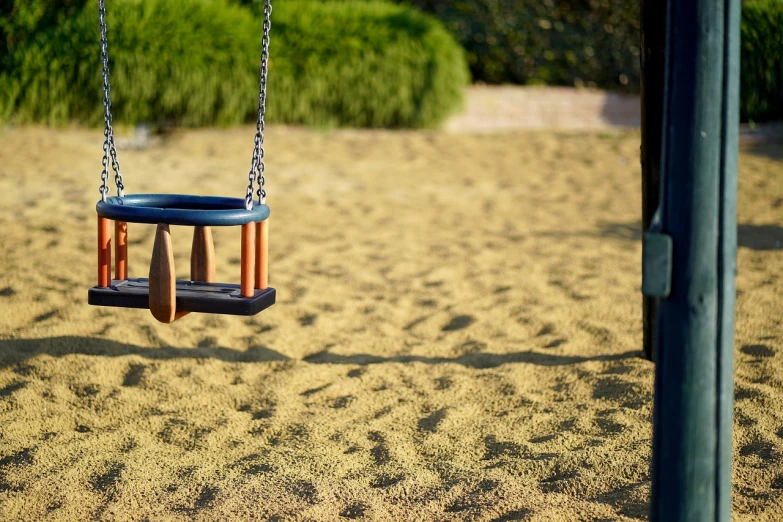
(258, 166)
(109, 149)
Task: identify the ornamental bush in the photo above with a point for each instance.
(596, 42)
(336, 62)
(552, 42)
(761, 60)
(195, 62)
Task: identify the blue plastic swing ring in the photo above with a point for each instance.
(181, 209)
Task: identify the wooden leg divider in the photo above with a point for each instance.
(163, 279)
(202, 256)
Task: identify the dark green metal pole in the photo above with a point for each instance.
(695, 326)
(653, 54)
(727, 253)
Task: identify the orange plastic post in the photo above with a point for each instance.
(247, 260)
(104, 252)
(262, 255)
(120, 250)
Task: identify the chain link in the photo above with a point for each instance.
(257, 165)
(109, 149)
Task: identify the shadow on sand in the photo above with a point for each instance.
(15, 351)
(476, 360)
(754, 237)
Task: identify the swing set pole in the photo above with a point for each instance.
(694, 335)
(653, 56)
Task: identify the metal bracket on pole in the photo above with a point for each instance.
(656, 264)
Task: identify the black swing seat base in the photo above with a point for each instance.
(192, 296)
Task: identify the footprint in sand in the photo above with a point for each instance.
(20, 458)
(742, 393)
(356, 373)
(207, 342)
(24, 370)
(608, 426)
(764, 450)
(512, 516)
(494, 449)
(258, 469)
(386, 481)
(459, 322)
(307, 320)
(355, 510)
(313, 391)
(89, 390)
(380, 452)
(431, 422)
(382, 412)
(602, 335)
(342, 402)
(12, 388)
(206, 497)
(411, 325)
(443, 383)
(134, 375)
(252, 467)
(471, 347)
(539, 440)
(105, 481)
(43, 317)
(267, 409)
(558, 482)
(547, 329)
(306, 491)
(757, 350)
(629, 394)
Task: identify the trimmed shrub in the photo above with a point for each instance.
(761, 60)
(559, 42)
(553, 42)
(187, 61)
(196, 62)
(21, 18)
(363, 64)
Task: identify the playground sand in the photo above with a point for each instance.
(456, 335)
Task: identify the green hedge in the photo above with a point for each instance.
(559, 42)
(196, 62)
(506, 41)
(21, 18)
(761, 60)
(592, 42)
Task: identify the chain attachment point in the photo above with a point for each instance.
(109, 148)
(257, 165)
